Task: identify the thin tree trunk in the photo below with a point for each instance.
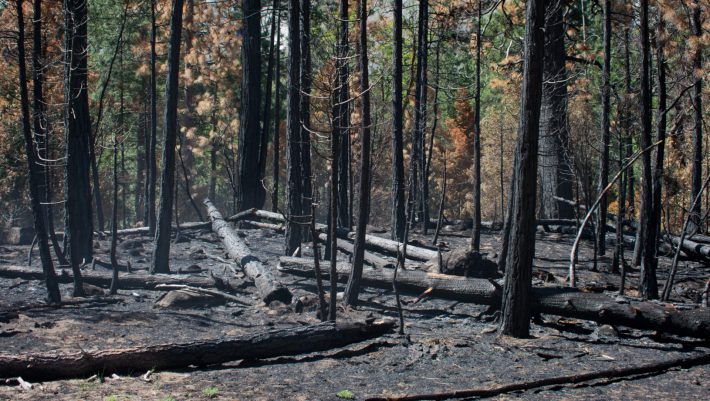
(265, 126)
(276, 143)
(515, 313)
(353, 288)
(35, 174)
(697, 100)
(604, 156)
(152, 165)
(114, 220)
(161, 250)
(305, 135)
(397, 196)
(476, 231)
(417, 187)
(341, 118)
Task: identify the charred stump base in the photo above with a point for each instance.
(464, 262)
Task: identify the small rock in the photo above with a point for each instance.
(605, 331)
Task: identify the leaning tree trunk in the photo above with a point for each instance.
(250, 192)
(35, 174)
(515, 315)
(78, 231)
(397, 195)
(161, 250)
(648, 287)
(353, 288)
(554, 170)
(604, 155)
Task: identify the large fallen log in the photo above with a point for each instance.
(268, 344)
(267, 286)
(566, 302)
(128, 281)
(389, 246)
(349, 248)
(690, 247)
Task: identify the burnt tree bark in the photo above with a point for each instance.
(151, 162)
(250, 191)
(353, 288)
(305, 80)
(295, 231)
(476, 231)
(418, 189)
(267, 344)
(648, 287)
(78, 231)
(265, 125)
(515, 315)
(341, 117)
(35, 173)
(397, 195)
(604, 155)
(276, 143)
(697, 100)
(554, 169)
(161, 250)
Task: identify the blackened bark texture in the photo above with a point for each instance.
(139, 184)
(152, 165)
(267, 344)
(417, 188)
(341, 117)
(515, 316)
(604, 154)
(250, 191)
(476, 231)
(353, 288)
(161, 250)
(648, 287)
(554, 168)
(114, 220)
(505, 241)
(276, 168)
(266, 125)
(697, 100)
(41, 126)
(78, 221)
(295, 232)
(35, 172)
(305, 118)
(397, 197)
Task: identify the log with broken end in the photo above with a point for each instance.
(128, 281)
(566, 302)
(349, 248)
(267, 344)
(267, 286)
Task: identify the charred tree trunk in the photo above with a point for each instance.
(515, 315)
(697, 100)
(152, 165)
(305, 80)
(276, 168)
(341, 118)
(476, 231)
(554, 169)
(78, 229)
(294, 190)
(114, 219)
(417, 163)
(648, 287)
(161, 251)
(41, 126)
(397, 197)
(35, 174)
(353, 288)
(250, 192)
(604, 156)
(265, 125)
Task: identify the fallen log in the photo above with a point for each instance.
(574, 378)
(268, 344)
(349, 248)
(389, 246)
(566, 302)
(128, 281)
(267, 286)
(690, 247)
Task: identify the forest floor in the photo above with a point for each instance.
(448, 345)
